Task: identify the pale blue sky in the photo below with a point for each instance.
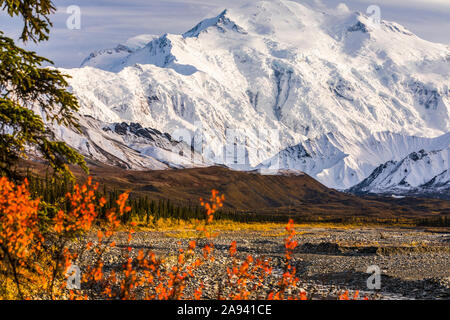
(105, 23)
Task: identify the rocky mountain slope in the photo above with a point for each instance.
(419, 173)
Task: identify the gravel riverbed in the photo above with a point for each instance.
(414, 263)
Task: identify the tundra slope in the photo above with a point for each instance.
(346, 95)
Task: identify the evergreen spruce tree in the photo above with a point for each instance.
(27, 89)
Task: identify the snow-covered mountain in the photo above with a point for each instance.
(130, 146)
(345, 160)
(330, 93)
(419, 173)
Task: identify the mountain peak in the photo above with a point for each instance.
(222, 23)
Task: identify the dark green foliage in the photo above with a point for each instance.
(442, 221)
(52, 193)
(34, 14)
(28, 90)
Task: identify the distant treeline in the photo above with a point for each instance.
(441, 221)
(52, 192)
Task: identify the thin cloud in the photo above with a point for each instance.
(429, 5)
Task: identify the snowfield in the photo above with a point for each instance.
(273, 84)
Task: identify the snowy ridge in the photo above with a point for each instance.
(107, 58)
(129, 146)
(221, 23)
(419, 172)
(343, 94)
(349, 162)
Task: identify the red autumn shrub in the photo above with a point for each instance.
(35, 265)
